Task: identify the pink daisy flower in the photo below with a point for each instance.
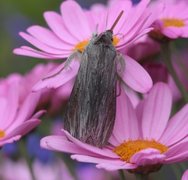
(53, 99)
(72, 30)
(50, 99)
(172, 22)
(142, 140)
(55, 170)
(17, 118)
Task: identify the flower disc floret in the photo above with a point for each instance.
(128, 148)
(173, 22)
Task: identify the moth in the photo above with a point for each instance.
(91, 109)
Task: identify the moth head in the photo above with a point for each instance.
(104, 38)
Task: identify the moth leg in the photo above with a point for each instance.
(76, 54)
(120, 63)
(120, 69)
(68, 61)
(118, 86)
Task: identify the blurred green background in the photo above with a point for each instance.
(16, 16)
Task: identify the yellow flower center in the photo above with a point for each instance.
(115, 40)
(2, 134)
(173, 22)
(82, 45)
(128, 148)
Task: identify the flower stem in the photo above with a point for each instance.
(166, 52)
(121, 175)
(141, 177)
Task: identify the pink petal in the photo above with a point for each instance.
(3, 108)
(62, 144)
(133, 39)
(139, 114)
(147, 157)
(177, 128)
(66, 75)
(135, 76)
(38, 114)
(75, 20)
(55, 22)
(126, 124)
(114, 11)
(96, 19)
(156, 111)
(138, 21)
(133, 96)
(40, 45)
(29, 105)
(9, 106)
(172, 32)
(134, 33)
(23, 128)
(89, 159)
(177, 153)
(27, 51)
(26, 110)
(135, 15)
(115, 167)
(99, 152)
(31, 53)
(47, 37)
(9, 140)
(114, 141)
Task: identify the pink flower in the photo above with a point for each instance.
(10, 170)
(72, 30)
(142, 139)
(91, 173)
(52, 99)
(16, 118)
(185, 175)
(56, 170)
(172, 22)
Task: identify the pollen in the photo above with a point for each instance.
(2, 134)
(81, 45)
(128, 148)
(173, 22)
(115, 40)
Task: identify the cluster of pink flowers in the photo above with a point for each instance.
(147, 133)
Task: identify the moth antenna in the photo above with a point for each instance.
(116, 21)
